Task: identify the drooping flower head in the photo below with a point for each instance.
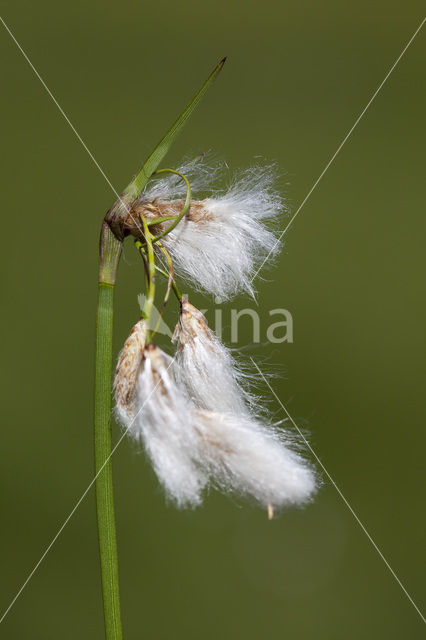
(223, 238)
(162, 420)
(193, 414)
(246, 458)
(205, 366)
(193, 447)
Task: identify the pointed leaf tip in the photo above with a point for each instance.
(138, 183)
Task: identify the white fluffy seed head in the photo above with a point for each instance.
(205, 367)
(164, 424)
(248, 459)
(126, 371)
(191, 448)
(192, 414)
(223, 239)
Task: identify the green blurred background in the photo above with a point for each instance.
(297, 77)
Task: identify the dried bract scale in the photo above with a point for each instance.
(205, 367)
(222, 239)
(126, 371)
(158, 209)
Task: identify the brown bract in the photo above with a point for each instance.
(191, 324)
(128, 222)
(128, 365)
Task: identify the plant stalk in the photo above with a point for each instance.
(109, 255)
(113, 232)
(150, 294)
(185, 208)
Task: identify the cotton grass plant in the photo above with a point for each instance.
(198, 422)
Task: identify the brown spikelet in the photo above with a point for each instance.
(129, 361)
(198, 212)
(191, 323)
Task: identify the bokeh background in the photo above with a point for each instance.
(297, 77)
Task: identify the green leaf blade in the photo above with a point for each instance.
(152, 162)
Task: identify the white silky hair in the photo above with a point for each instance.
(192, 449)
(205, 367)
(199, 172)
(243, 456)
(220, 253)
(246, 458)
(164, 425)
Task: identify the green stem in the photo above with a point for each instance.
(112, 234)
(150, 294)
(140, 247)
(151, 223)
(169, 286)
(176, 219)
(185, 208)
(110, 251)
(174, 285)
